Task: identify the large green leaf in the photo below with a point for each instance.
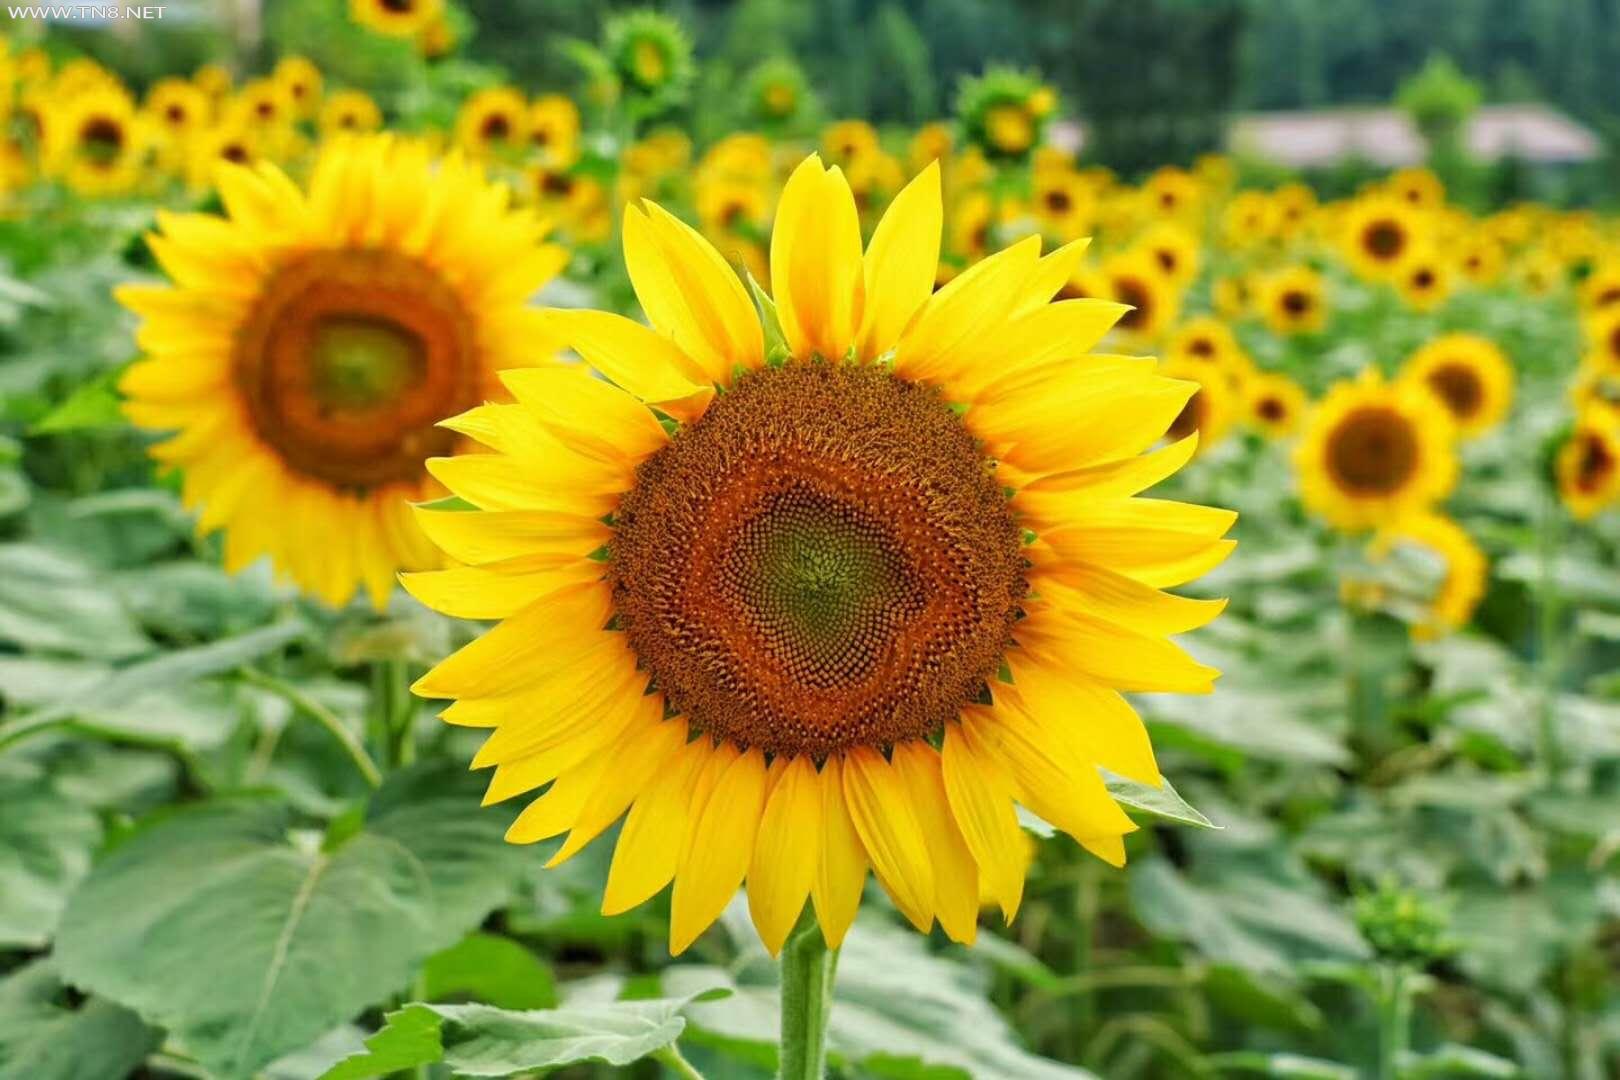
(216, 924)
(45, 843)
(45, 1037)
(489, 969)
(55, 604)
(480, 1040)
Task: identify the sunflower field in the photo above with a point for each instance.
(505, 577)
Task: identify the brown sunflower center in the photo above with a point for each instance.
(1135, 294)
(1201, 347)
(823, 560)
(1614, 341)
(1272, 409)
(348, 360)
(1057, 201)
(1384, 239)
(1423, 278)
(100, 139)
(1296, 302)
(1595, 463)
(1189, 419)
(1373, 451)
(398, 7)
(1459, 386)
(495, 127)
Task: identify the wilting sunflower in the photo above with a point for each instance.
(1210, 411)
(349, 112)
(1588, 463)
(1275, 404)
(310, 344)
(1374, 451)
(396, 18)
(1425, 281)
(1134, 278)
(1293, 300)
(493, 121)
(845, 615)
(1470, 377)
(1381, 234)
(1442, 580)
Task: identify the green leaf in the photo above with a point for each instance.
(480, 1040)
(45, 844)
(776, 346)
(41, 1038)
(1451, 1062)
(490, 969)
(1289, 1066)
(1161, 802)
(211, 923)
(93, 405)
(52, 603)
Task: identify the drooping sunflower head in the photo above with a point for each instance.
(396, 18)
(652, 57)
(995, 112)
(1467, 374)
(301, 80)
(309, 344)
(1381, 234)
(493, 122)
(1275, 404)
(1429, 571)
(349, 112)
(1294, 300)
(1374, 451)
(1588, 462)
(804, 615)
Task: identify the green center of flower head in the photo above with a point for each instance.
(647, 63)
(824, 559)
(362, 363)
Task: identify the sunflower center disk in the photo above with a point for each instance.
(823, 560)
(1373, 452)
(349, 359)
(1460, 387)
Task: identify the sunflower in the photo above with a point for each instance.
(1295, 203)
(1232, 295)
(1000, 113)
(1588, 463)
(576, 202)
(230, 142)
(1425, 281)
(554, 130)
(1482, 259)
(846, 140)
(350, 112)
(932, 142)
(1469, 376)
(264, 105)
(1381, 234)
(1248, 220)
(1174, 249)
(178, 108)
(301, 80)
(93, 142)
(1539, 272)
(1601, 288)
(1602, 333)
(1086, 283)
(1447, 573)
(652, 57)
(1062, 201)
(310, 344)
(730, 208)
(1173, 192)
(811, 632)
(1134, 279)
(214, 80)
(396, 18)
(1293, 300)
(1417, 187)
(1275, 404)
(1373, 451)
(493, 121)
(972, 226)
(1210, 411)
(1205, 340)
(777, 93)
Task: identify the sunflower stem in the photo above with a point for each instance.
(672, 1057)
(808, 969)
(1549, 646)
(1394, 1018)
(322, 716)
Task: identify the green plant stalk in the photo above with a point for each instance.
(322, 716)
(808, 970)
(1549, 647)
(671, 1057)
(1394, 1018)
(1084, 1008)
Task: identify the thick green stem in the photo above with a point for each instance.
(1084, 1006)
(808, 968)
(1394, 1019)
(322, 716)
(671, 1056)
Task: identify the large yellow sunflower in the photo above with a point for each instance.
(1470, 377)
(310, 344)
(844, 614)
(1374, 451)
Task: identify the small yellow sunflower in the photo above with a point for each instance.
(1173, 192)
(1063, 203)
(311, 343)
(396, 18)
(1381, 234)
(494, 121)
(1602, 332)
(932, 142)
(178, 108)
(1175, 251)
(301, 80)
(1601, 288)
(1209, 413)
(1232, 295)
(1293, 300)
(349, 112)
(264, 105)
(1275, 404)
(1249, 220)
(215, 80)
(229, 142)
(810, 633)
(1373, 451)
(1417, 187)
(1482, 259)
(844, 141)
(1469, 376)
(1425, 281)
(1446, 573)
(1540, 273)
(554, 130)
(1205, 340)
(1086, 283)
(1134, 278)
(1588, 463)
(93, 142)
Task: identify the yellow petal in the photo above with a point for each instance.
(645, 749)
(719, 847)
(976, 301)
(1111, 654)
(784, 864)
(1096, 591)
(580, 408)
(638, 358)
(980, 795)
(841, 860)
(563, 480)
(553, 813)
(889, 830)
(1065, 791)
(956, 874)
(495, 663)
(1090, 721)
(817, 276)
(902, 262)
(649, 846)
(472, 592)
(1109, 480)
(497, 535)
